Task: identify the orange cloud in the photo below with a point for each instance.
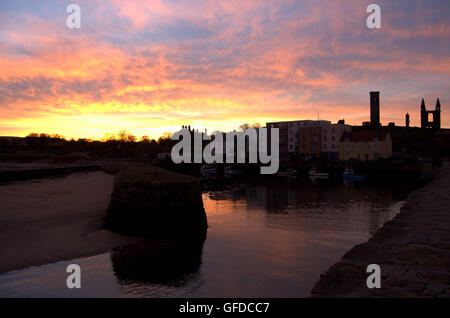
(152, 66)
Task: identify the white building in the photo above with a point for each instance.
(331, 135)
(288, 130)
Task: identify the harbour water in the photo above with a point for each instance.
(264, 240)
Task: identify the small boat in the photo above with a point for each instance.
(229, 171)
(287, 173)
(313, 173)
(208, 169)
(349, 174)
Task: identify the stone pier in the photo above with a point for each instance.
(413, 251)
(148, 200)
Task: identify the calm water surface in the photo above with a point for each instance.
(271, 240)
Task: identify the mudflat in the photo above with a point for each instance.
(49, 220)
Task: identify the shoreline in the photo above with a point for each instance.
(52, 219)
(413, 251)
(56, 219)
(13, 171)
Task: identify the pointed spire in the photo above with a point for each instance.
(438, 104)
(422, 105)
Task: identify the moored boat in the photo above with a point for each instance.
(349, 174)
(229, 171)
(313, 173)
(287, 173)
(208, 169)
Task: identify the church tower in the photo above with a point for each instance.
(375, 109)
(424, 122)
(437, 115)
(423, 115)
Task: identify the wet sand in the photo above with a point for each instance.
(413, 251)
(49, 220)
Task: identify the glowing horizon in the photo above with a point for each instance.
(151, 67)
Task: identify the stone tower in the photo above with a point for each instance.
(423, 115)
(375, 109)
(424, 122)
(407, 120)
(437, 115)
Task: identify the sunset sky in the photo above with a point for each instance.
(152, 66)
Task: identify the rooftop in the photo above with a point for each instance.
(365, 135)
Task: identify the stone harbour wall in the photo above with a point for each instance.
(412, 250)
(155, 201)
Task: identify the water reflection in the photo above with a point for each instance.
(331, 204)
(264, 240)
(171, 263)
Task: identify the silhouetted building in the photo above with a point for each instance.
(375, 109)
(288, 133)
(425, 123)
(310, 142)
(365, 145)
(321, 140)
(407, 120)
